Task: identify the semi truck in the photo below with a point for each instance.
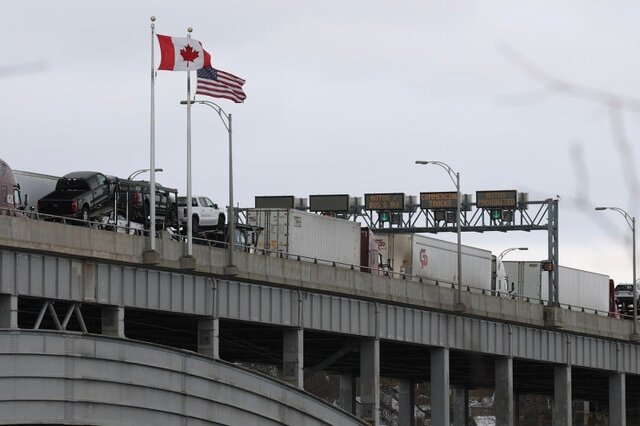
(437, 261)
(370, 257)
(10, 195)
(576, 287)
(292, 233)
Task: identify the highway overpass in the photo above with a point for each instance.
(309, 317)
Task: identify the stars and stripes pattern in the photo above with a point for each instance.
(220, 84)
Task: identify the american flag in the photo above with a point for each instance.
(220, 84)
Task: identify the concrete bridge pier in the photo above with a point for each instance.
(561, 412)
(348, 392)
(8, 311)
(504, 401)
(113, 321)
(617, 399)
(440, 386)
(370, 380)
(406, 402)
(460, 406)
(293, 356)
(209, 337)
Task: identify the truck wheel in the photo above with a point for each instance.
(195, 225)
(221, 222)
(85, 213)
(172, 216)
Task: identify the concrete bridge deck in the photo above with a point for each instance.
(314, 316)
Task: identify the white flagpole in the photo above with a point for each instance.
(189, 218)
(152, 154)
(230, 213)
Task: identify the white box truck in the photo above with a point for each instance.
(308, 235)
(437, 260)
(576, 287)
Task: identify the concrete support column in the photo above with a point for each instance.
(406, 402)
(370, 380)
(208, 337)
(293, 357)
(113, 321)
(8, 311)
(440, 386)
(348, 392)
(504, 392)
(617, 400)
(460, 406)
(562, 395)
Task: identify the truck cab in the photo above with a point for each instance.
(10, 197)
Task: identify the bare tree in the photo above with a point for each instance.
(617, 106)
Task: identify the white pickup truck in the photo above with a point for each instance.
(205, 213)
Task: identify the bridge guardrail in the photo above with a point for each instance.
(120, 227)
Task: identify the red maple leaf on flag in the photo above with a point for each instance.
(188, 54)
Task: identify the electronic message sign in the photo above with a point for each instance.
(387, 202)
(329, 203)
(438, 200)
(497, 199)
(274, 202)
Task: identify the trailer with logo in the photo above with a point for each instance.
(436, 261)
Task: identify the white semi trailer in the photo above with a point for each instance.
(308, 235)
(576, 287)
(437, 260)
(34, 186)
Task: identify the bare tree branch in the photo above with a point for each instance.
(554, 84)
(24, 68)
(616, 105)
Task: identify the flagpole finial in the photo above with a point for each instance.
(153, 19)
(190, 30)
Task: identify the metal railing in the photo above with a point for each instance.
(104, 224)
(176, 235)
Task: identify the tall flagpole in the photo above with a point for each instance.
(231, 212)
(189, 218)
(152, 154)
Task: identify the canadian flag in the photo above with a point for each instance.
(182, 54)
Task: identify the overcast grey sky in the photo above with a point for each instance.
(343, 97)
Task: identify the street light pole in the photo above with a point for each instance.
(226, 119)
(504, 252)
(138, 172)
(631, 221)
(455, 178)
(151, 198)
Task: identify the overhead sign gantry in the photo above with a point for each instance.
(433, 212)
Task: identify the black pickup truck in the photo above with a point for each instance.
(133, 203)
(79, 194)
